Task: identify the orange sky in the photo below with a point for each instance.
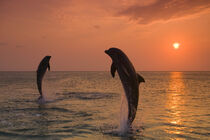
(76, 33)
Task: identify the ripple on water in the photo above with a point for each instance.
(172, 105)
(89, 95)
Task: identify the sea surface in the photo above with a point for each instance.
(86, 105)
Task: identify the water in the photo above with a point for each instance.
(86, 105)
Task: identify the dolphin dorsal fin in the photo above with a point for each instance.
(48, 66)
(113, 69)
(140, 78)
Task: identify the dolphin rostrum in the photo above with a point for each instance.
(44, 64)
(129, 79)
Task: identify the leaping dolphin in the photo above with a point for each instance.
(129, 79)
(44, 64)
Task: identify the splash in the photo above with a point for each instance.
(123, 127)
(49, 93)
(41, 100)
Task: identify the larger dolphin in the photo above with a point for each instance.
(42, 68)
(129, 78)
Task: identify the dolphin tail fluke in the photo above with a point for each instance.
(113, 70)
(40, 90)
(131, 114)
(140, 78)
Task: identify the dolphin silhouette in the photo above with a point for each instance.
(129, 79)
(44, 64)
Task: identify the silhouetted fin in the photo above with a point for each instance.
(113, 69)
(140, 78)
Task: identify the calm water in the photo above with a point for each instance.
(86, 105)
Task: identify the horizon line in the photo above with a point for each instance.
(107, 71)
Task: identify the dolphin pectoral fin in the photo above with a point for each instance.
(113, 69)
(48, 66)
(140, 78)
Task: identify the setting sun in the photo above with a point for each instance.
(176, 45)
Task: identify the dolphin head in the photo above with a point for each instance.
(114, 53)
(47, 58)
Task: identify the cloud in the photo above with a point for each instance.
(164, 10)
(96, 27)
(19, 46)
(32, 9)
(3, 44)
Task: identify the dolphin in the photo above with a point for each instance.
(42, 68)
(129, 79)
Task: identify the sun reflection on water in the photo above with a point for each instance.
(175, 103)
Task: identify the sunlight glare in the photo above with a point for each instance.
(176, 45)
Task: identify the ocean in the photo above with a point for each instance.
(86, 105)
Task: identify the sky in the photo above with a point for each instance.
(76, 33)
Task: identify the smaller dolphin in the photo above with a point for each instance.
(44, 64)
(129, 79)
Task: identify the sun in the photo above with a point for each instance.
(176, 45)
